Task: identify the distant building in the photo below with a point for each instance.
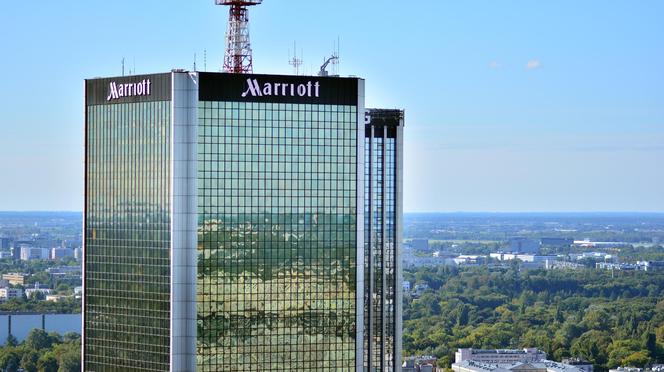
(5, 243)
(6, 254)
(420, 244)
(55, 298)
(582, 364)
(406, 286)
(29, 253)
(530, 261)
(420, 364)
(37, 289)
(598, 256)
(78, 254)
(420, 289)
(470, 260)
(60, 253)
(562, 265)
(535, 366)
(523, 245)
(16, 278)
(651, 265)
(616, 266)
(9, 293)
(16, 247)
(499, 356)
(557, 242)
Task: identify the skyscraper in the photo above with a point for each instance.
(234, 222)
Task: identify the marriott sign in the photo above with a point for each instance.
(256, 89)
(117, 91)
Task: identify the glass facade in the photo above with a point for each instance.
(277, 238)
(277, 258)
(382, 328)
(246, 197)
(127, 236)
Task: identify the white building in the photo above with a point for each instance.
(33, 253)
(78, 254)
(536, 366)
(470, 260)
(38, 289)
(59, 253)
(651, 265)
(600, 256)
(499, 356)
(9, 293)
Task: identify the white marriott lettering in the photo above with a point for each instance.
(254, 89)
(117, 91)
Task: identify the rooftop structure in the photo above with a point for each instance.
(238, 58)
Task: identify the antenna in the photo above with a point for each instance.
(238, 58)
(123, 61)
(204, 59)
(295, 62)
(194, 61)
(337, 61)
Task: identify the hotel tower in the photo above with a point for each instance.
(240, 222)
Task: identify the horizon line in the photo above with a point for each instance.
(417, 212)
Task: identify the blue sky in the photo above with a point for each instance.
(510, 105)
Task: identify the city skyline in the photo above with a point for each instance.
(510, 107)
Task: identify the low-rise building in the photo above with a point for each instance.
(562, 265)
(420, 364)
(616, 266)
(535, 366)
(500, 356)
(651, 265)
(582, 364)
(597, 256)
(55, 298)
(9, 293)
(16, 278)
(470, 260)
(29, 292)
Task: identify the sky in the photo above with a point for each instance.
(511, 105)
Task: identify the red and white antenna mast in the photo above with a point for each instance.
(238, 58)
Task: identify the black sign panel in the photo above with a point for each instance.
(277, 88)
(128, 89)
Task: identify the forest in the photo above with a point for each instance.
(610, 319)
(42, 352)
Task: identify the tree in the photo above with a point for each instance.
(649, 343)
(639, 359)
(38, 339)
(70, 362)
(47, 363)
(592, 346)
(29, 361)
(71, 337)
(11, 340)
(10, 359)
